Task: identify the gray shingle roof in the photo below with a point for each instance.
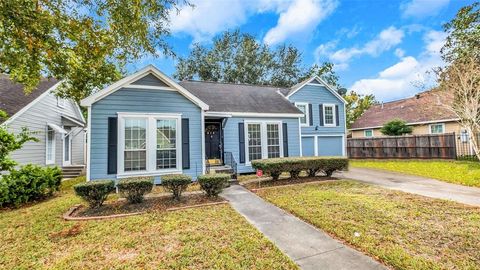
(12, 97)
(226, 97)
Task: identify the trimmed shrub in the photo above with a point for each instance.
(294, 165)
(94, 192)
(30, 182)
(133, 189)
(176, 184)
(213, 184)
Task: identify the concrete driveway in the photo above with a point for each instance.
(415, 184)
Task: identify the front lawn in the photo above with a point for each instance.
(214, 237)
(457, 172)
(403, 230)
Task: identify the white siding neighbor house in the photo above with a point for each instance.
(57, 123)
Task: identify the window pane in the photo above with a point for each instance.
(166, 144)
(135, 144)
(303, 108)
(50, 137)
(254, 142)
(273, 140)
(368, 133)
(436, 129)
(329, 115)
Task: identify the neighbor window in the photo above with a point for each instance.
(60, 102)
(304, 108)
(273, 140)
(151, 144)
(135, 154)
(50, 139)
(464, 136)
(329, 115)
(166, 144)
(369, 133)
(254, 142)
(263, 140)
(437, 128)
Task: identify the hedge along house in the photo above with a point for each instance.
(147, 124)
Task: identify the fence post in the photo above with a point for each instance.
(454, 146)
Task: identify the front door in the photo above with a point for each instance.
(213, 141)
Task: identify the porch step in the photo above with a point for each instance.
(221, 169)
(72, 171)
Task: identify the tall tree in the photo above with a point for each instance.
(238, 58)
(463, 40)
(86, 43)
(356, 105)
(462, 76)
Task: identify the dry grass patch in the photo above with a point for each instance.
(215, 237)
(403, 230)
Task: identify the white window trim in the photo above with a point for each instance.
(263, 138)
(61, 102)
(307, 114)
(333, 114)
(52, 161)
(365, 133)
(151, 147)
(430, 128)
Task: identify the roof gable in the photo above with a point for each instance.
(315, 80)
(147, 78)
(13, 98)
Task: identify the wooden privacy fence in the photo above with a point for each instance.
(441, 146)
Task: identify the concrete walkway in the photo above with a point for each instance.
(415, 184)
(307, 246)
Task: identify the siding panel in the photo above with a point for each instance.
(148, 101)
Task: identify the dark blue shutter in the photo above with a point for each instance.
(185, 143)
(310, 114)
(285, 139)
(321, 114)
(112, 145)
(337, 116)
(241, 141)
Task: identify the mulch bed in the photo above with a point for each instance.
(163, 203)
(253, 185)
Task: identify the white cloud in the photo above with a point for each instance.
(399, 52)
(401, 79)
(422, 8)
(209, 17)
(384, 41)
(302, 16)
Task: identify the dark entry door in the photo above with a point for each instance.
(213, 140)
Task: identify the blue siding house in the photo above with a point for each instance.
(146, 124)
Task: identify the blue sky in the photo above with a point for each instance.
(384, 47)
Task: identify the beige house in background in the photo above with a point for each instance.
(426, 112)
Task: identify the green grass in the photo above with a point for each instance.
(403, 230)
(36, 237)
(458, 172)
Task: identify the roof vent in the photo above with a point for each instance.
(417, 96)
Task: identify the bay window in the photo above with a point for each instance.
(263, 140)
(149, 144)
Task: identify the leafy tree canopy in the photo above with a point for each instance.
(356, 105)
(86, 43)
(396, 127)
(238, 58)
(463, 38)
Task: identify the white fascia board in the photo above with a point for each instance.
(324, 83)
(250, 114)
(150, 69)
(413, 123)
